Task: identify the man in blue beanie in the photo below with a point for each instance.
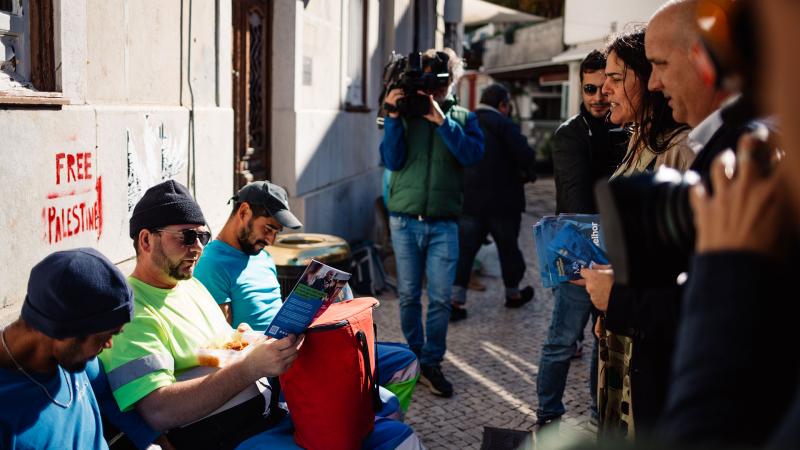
(52, 386)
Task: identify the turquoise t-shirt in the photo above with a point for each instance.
(248, 283)
(28, 419)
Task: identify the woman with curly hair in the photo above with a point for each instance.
(633, 362)
(656, 139)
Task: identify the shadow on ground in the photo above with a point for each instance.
(493, 356)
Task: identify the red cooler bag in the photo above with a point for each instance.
(331, 388)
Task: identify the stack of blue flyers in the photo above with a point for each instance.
(567, 243)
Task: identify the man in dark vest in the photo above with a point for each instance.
(427, 156)
(494, 199)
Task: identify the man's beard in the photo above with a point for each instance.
(167, 266)
(247, 241)
(71, 361)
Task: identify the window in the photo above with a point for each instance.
(356, 74)
(16, 70)
(27, 68)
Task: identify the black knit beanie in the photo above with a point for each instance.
(76, 293)
(167, 203)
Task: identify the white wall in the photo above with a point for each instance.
(326, 156)
(538, 42)
(123, 66)
(588, 20)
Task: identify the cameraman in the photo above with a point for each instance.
(427, 156)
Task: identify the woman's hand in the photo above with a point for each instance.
(599, 280)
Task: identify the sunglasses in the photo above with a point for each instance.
(591, 89)
(189, 237)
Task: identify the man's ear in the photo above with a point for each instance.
(146, 241)
(703, 64)
(244, 212)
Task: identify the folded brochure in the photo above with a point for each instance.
(567, 243)
(317, 288)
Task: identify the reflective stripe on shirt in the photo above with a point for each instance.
(138, 368)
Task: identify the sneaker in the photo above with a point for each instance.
(433, 377)
(457, 313)
(525, 295)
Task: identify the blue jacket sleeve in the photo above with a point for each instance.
(465, 143)
(393, 145)
(130, 423)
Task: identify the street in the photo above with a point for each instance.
(492, 356)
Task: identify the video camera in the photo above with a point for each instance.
(412, 74)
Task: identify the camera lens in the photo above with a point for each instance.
(648, 226)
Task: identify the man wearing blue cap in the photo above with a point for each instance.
(52, 386)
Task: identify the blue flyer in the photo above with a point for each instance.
(567, 243)
(318, 287)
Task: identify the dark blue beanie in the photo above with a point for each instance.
(167, 203)
(76, 293)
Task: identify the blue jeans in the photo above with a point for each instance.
(429, 248)
(571, 310)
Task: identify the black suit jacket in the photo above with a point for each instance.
(651, 316)
(735, 373)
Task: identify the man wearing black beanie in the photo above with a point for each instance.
(153, 366)
(77, 300)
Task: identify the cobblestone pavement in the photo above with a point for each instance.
(492, 357)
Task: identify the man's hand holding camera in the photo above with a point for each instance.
(746, 210)
(391, 99)
(435, 114)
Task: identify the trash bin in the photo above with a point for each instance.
(293, 252)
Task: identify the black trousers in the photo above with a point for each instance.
(472, 231)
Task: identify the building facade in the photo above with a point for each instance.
(101, 99)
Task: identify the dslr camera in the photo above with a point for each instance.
(413, 73)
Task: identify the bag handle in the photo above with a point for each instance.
(373, 385)
(276, 413)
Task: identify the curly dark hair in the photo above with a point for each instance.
(656, 126)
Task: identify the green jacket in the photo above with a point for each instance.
(430, 181)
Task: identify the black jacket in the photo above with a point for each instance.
(584, 151)
(494, 186)
(735, 369)
(650, 318)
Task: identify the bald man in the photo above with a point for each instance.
(684, 72)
